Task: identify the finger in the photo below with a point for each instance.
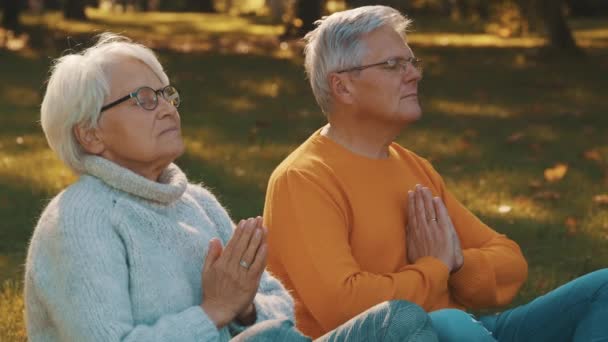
(259, 222)
(252, 249)
(236, 236)
(214, 251)
(421, 219)
(260, 226)
(241, 245)
(428, 205)
(442, 212)
(259, 263)
(411, 216)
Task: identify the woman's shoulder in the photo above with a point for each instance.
(81, 206)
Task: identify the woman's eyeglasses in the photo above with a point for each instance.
(147, 98)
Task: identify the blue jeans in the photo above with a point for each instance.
(576, 311)
(389, 321)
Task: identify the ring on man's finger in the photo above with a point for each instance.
(244, 264)
(434, 219)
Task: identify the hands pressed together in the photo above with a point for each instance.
(231, 275)
(430, 231)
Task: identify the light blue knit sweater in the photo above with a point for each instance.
(117, 257)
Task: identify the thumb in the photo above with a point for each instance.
(214, 252)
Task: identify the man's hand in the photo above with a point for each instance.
(430, 231)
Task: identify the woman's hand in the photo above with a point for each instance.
(231, 276)
(430, 231)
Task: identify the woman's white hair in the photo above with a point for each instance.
(77, 87)
(336, 44)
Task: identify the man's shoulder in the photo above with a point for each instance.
(308, 159)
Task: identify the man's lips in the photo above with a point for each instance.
(170, 129)
(409, 95)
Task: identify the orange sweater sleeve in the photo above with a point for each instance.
(309, 233)
(494, 268)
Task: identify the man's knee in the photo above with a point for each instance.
(271, 330)
(408, 321)
(457, 325)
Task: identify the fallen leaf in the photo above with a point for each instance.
(601, 199)
(536, 147)
(463, 144)
(515, 137)
(535, 184)
(593, 154)
(556, 173)
(503, 209)
(471, 133)
(571, 226)
(547, 195)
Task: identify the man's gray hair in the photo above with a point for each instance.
(78, 85)
(336, 44)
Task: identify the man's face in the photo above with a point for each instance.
(382, 93)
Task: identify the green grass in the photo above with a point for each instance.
(244, 112)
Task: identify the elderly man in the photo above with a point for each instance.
(355, 219)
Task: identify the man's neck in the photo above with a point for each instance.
(362, 139)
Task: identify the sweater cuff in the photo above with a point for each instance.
(201, 326)
(437, 272)
(472, 274)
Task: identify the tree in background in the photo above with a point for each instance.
(558, 32)
(11, 10)
(308, 11)
(205, 6)
(74, 9)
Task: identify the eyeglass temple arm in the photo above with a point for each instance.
(119, 101)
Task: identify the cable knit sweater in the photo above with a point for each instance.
(117, 257)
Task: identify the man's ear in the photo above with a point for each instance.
(341, 88)
(89, 139)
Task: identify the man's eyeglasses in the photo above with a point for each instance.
(147, 98)
(390, 64)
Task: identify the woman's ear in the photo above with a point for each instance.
(89, 139)
(340, 87)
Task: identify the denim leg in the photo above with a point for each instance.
(454, 325)
(395, 320)
(576, 311)
(271, 331)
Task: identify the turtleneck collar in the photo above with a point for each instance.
(170, 186)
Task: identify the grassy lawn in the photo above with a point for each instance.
(497, 119)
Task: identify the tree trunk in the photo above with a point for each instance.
(559, 34)
(10, 19)
(52, 4)
(74, 9)
(206, 6)
(308, 11)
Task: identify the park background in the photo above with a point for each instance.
(515, 101)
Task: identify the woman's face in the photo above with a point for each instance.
(133, 137)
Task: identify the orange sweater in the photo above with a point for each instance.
(337, 237)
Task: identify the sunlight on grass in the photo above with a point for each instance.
(18, 95)
(471, 40)
(267, 88)
(23, 158)
(490, 196)
(148, 23)
(12, 325)
(461, 108)
(250, 165)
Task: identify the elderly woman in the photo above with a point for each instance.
(132, 251)
(355, 218)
